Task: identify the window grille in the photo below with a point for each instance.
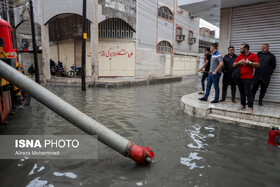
(164, 47)
(165, 13)
(62, 28)
(115, 28)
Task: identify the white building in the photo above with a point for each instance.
(137, 39)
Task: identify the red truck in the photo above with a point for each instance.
(10, 95)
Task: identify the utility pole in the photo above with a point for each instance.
(84, 45)
(45, 44)
(94, 43)
(34, 43)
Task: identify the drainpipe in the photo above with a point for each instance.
(94, 43)
(140, 154)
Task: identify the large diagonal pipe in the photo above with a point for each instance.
(122, 145)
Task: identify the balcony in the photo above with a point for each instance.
(192, 40)
(180, 38)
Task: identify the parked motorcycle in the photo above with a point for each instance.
(57, 70)
(60, 69)
(53, 67)
(74, 72)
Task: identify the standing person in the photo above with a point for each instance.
(246, 61)
(228, 80)
(263, 73)
(206, 67)
(31, 70)
(216, 65)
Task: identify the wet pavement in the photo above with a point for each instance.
(188, 151)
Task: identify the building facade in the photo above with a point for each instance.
(136, 39)
(206, 38)
(167, 39)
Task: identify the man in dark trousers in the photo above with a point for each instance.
(206, 67)
(246, 61)
(263, 73)
(216, 65)
(228, 80)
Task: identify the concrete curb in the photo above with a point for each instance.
(133, 83)
(111, 83)
(226, 113)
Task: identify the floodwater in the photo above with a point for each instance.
(188, 151)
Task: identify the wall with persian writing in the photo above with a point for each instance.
(116, 59)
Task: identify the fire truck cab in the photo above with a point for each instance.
(7, 54)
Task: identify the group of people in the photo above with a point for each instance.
(248, 71)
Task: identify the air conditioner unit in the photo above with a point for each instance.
(192, 40)
(77, 30)
(180, 38)
(192, 15)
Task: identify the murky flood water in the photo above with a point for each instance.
(188, 151)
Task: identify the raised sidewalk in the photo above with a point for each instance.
(262, 117)
(104, 83)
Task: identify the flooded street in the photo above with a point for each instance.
(188, 151)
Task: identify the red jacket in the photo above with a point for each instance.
(247, 71)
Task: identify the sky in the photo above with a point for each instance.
(203, 23)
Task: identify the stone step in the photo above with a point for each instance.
(263, 116)
(243, 115)
(241, 122)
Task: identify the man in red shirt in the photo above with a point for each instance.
(246, 61)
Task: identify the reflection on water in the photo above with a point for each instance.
(199, 144)
(38, 182)
(188, 151)
(197, 138)
(190, 161)
(36, 168)
(66, 174)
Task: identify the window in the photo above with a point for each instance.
(64, 27)
(2, 42)
(179, 34)
(164, 47)
(190, 34)
(179, 31)
(192, 40)
(24, 43)
(115, 28)
(165, 13)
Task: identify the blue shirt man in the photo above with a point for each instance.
(214, 73)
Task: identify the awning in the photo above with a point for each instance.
(209, 10)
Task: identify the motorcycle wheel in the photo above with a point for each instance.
(70, 74)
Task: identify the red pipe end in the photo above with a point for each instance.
(140, 154)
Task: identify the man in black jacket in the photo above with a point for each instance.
(263, 73)
(227, 70)
(206, 67)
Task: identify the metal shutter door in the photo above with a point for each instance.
(255, 25)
